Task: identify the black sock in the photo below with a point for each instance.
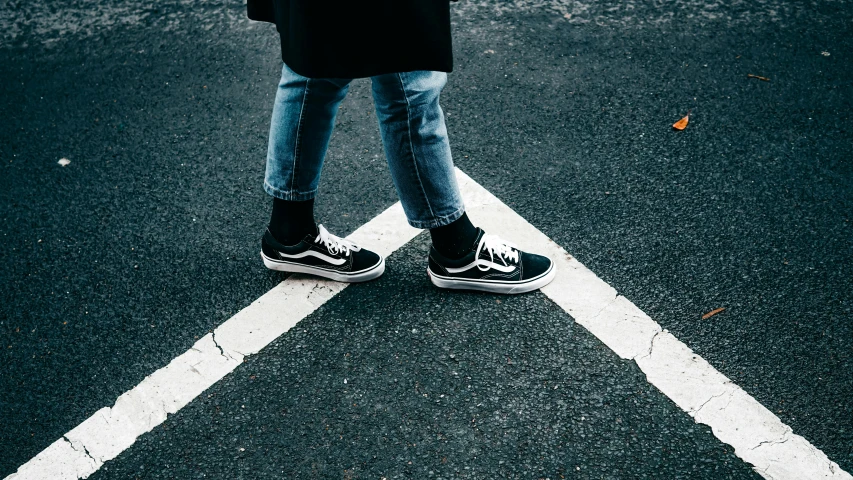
(455, 239)
(292, 220)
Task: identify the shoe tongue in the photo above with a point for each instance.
(483, 253)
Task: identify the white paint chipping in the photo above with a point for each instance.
(59, 461)
(757, 435)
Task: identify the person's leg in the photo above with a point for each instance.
(418, 151)
(302, 122)
(416, 146)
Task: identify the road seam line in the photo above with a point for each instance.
(758, 436)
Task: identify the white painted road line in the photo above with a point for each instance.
(110, 431)
(757, 435)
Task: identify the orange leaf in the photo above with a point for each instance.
(712, 313)
(679, 125)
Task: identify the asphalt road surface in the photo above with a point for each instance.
(148, 239)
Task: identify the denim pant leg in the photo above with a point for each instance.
(416, 145)
(303, 117)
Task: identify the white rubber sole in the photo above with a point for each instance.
(360, 276)
(494, 286)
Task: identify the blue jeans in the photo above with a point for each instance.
(413, 133)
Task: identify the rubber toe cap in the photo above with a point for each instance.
(364, 259)
(534, 265)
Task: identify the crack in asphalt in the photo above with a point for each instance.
(725, 392)
(609, 303)
(784, 438)
(221, 350)
(651, 345)
(84, 452)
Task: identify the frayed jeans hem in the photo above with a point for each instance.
(437, 221)
(289, 194)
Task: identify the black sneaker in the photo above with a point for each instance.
(494, 266)
(323, 254)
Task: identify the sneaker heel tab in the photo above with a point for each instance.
(267, 236)
(434, 253)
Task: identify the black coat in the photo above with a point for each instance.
(359, 38)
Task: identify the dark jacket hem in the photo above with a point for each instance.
(366, 70)
(348, 39)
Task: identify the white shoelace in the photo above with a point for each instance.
(496, 247)
(334, 244)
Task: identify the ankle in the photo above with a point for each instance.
(455, 239)
(291, 221)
